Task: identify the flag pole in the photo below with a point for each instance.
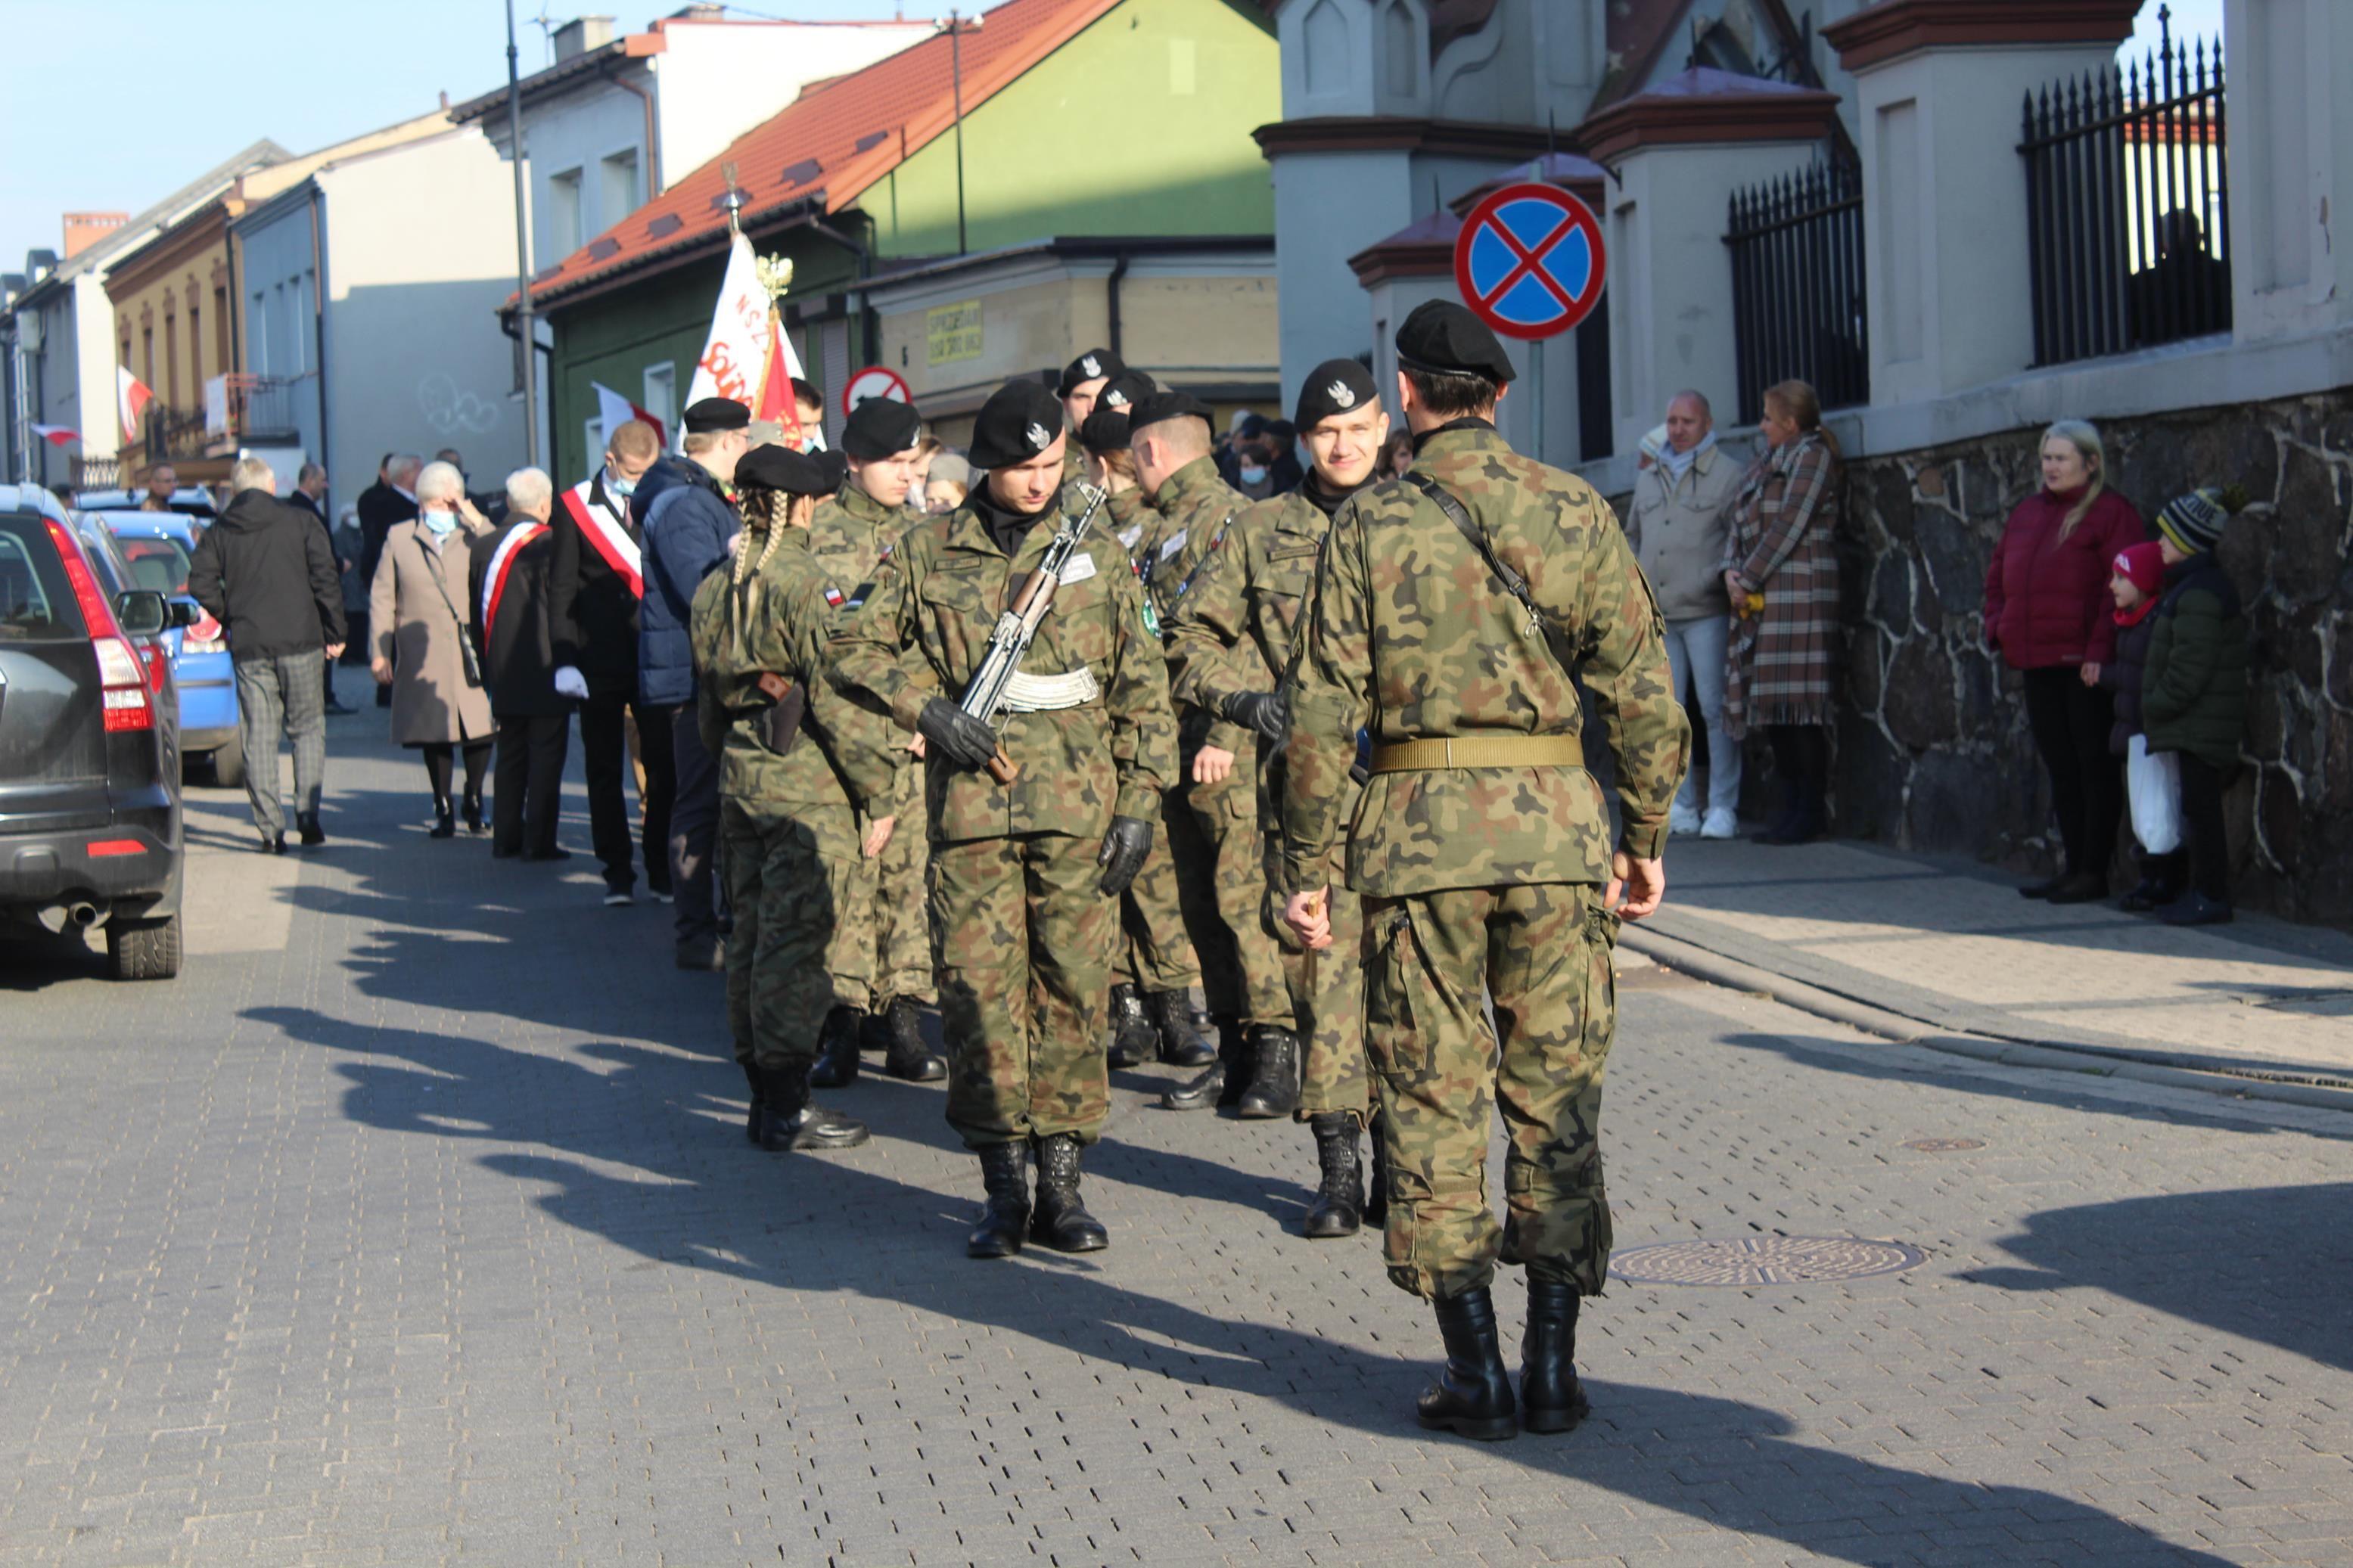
(526, 330)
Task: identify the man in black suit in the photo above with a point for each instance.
(309, 494)
(515, 631)
(391, 500)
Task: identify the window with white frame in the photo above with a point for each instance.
(563, 215)
(593, 434)
(660, 398)
(620, 187)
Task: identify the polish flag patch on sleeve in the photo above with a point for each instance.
(833, 596)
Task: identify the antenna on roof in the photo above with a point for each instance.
(734, 200)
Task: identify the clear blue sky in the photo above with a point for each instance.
(115, 106)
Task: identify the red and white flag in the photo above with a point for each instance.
(131, 400)
(57, 435)
(615, 411)
(747, 357)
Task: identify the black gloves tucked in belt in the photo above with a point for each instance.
(955, 734)
(1264, 712)
(1124, 849)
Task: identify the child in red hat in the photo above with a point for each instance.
(2152, 782)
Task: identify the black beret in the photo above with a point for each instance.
(1106, 430)
(1336, 386)
(715, 413)
(1091, 365)
(879, 428)
(775, 467)
(1163, 405)
(1125, 390)
(1019, 420)
(1445, 337)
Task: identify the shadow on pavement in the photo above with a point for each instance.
(835, 1226)
(2262, 1263)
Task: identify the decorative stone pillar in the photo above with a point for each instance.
(1940, 85)
(2290, 149)
(1677, 153)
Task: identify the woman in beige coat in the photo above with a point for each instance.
(418, 611)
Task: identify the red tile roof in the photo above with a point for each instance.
(834, 140)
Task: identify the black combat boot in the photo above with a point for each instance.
(1132, 1038)
(837, 1050)
(1223, 1083)
(790, 1120)
(1061, 1221)
(1339, 1205)
(1180, 1045)
(1551, 1399)
(1005, 1173)
(752, 1124)
(910, 1058)
(1274, 1080)
(873, 1032)
(1473, 1396)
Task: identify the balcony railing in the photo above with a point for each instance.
(1798, 287)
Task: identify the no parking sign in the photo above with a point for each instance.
(874, 381)
(1529, 260)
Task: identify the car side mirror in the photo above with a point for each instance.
(141, 612)
(186, 612)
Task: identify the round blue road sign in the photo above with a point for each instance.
(1529, 260)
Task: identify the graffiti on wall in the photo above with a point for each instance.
(451, 410)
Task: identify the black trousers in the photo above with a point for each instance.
(2070, 722)
(693, 826)
(2209, 844)
(1802, 756)
(605, 757)
(529, 783)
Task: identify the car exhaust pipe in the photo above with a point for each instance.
(81, 914)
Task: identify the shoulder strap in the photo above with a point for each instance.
(1513, 584)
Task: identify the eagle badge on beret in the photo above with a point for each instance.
(1039, 439)
(1092, 367)
(1115, 399)
(1339, 394)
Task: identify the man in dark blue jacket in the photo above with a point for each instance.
(689, 530)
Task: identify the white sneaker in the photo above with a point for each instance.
(1682, 820)
(1721, 823)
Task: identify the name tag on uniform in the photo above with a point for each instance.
(1128, 537)
(1173, 543)
(1078, 569)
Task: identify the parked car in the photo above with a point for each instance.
(158, 547)
(188, 500)
(89, 771)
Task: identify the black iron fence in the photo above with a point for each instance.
(2127, 205)
(1798, 287)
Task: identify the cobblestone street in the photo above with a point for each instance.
(415, 1221)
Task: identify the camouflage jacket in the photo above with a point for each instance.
(1198, 507)
(938, 596)
(778, 623)
(1232, 632)
(849, 536)
(1407, 631)
(1128, 517)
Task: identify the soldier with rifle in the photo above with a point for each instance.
(1049, 739)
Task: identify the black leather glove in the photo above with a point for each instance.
(1264, 712)
(1124, 849)
(955, 734)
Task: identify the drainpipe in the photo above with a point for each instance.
(319, 342)
(653, 133)
(1118, 271)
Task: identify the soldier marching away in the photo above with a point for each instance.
(1443, 605)
(1024, 875)
(1156, 969)
(855, 530)
(1221, 860)
(1230, 637)
(786, 744)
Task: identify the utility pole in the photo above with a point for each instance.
(955, 75)
(525, 330)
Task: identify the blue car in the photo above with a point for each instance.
(159, 546)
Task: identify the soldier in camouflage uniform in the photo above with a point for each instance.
(1453, 610)
(1023, 923)
(1221, 860)
(1151, 996)
(854, 531)
(795, 852)
(1083, 380)
(1228, 639)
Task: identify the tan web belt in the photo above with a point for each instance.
(1480, 752)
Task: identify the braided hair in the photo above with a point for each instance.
(764, 515)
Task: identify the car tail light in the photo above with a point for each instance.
(205, 636)
(103, 847)
(159, 664)
(129, 705)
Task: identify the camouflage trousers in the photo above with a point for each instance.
(788, 962)
(1542, 952)
(1156, 951)
(890, 904)
(1221, 869)
(1329, 993)
(1024, 943)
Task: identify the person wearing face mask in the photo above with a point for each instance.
(1228, 644)
(853, 532)
(595, 586)
(1025, 875)
(417, 611)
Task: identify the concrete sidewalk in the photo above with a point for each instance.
(1932, 945)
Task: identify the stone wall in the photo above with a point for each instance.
(1933, 752)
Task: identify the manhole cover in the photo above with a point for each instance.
(1945, 1146)
(1763, 1260)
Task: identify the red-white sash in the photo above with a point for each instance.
(601, 528)
(503, 560)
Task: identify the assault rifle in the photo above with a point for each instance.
(1017, 629)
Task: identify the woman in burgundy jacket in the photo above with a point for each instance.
(2047, 612)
